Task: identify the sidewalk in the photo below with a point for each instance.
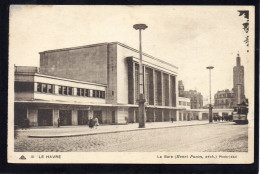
(70, 131)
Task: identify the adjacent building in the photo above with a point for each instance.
(196, 99)
(186, 113)
(190, 100)
(101, 80)
(224, 99)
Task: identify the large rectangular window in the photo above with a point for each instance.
(88, 92)
(23, 86)
(43, 87)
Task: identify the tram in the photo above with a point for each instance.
(240, 113)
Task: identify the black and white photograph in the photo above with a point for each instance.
(131, 84)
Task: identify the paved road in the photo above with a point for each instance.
(221, 137)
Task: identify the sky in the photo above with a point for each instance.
(189, 37)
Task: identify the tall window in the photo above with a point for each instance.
(70, 90)
(60, 89)
(78, 91)
(65, 90)
(94, 93)
(103, 94)
(87, 92)
(49, 88)
(44, 88)
(81, 92)
(39, 87)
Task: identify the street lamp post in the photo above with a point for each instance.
(210, 106)
(141, 101)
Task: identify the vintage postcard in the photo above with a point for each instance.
(131, 84)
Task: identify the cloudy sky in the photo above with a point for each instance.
(191, 38)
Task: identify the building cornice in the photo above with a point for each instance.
(109, 43)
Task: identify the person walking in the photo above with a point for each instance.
(172, 119)
(58, 121)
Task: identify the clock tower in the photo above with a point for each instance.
(238, 82)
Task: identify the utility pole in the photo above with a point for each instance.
(141, 100)
(210, 106)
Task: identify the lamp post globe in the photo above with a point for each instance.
(140, 26)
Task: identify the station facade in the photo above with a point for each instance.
(100, 80)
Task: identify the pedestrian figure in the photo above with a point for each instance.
(58, 121)
(222, 118)
(126, 120)
(172, 119)
(96, 123)
(91, 123)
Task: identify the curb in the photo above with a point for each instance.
(107, 132)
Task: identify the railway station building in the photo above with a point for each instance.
(100, 80)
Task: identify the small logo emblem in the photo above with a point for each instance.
(22, 158)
